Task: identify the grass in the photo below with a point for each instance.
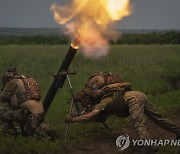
(146, 67)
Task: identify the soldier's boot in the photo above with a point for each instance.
(9, 129)
(44, 130)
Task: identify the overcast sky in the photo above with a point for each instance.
(148, 14)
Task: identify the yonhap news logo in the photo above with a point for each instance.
(123, 142)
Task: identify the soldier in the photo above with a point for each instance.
(107, 93)
(24, 107)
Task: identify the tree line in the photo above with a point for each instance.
(171, 37)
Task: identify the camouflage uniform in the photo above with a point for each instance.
(133, 103)
(29, 113)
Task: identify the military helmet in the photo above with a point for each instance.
(8, 75)
(117, 78)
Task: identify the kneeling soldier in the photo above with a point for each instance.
(24, 107)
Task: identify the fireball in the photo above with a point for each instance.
(90, 23)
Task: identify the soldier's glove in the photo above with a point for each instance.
(69, 119)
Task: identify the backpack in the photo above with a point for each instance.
(32, 89)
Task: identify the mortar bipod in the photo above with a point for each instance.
(67, 73)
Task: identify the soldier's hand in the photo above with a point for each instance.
(69, 119)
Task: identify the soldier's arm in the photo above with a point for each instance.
(95, 83)
(8, 92)
(86, 117)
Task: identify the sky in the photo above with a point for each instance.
(147, 14)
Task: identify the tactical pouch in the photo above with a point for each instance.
(119, 102)
(118, 96)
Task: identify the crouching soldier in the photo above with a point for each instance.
(24, 107)
(107, 93)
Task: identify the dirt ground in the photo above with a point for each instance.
(104, 142)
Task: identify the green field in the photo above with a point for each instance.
(148, 68)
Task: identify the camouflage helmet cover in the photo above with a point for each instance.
(8, 75)
(117, 78)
